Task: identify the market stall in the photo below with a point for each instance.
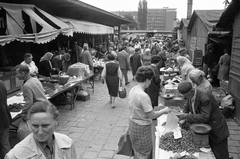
(174, 142)
(69, 90)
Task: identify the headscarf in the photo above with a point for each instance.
(183, 60)
(195, 74)
(67, 57)
(47, 56)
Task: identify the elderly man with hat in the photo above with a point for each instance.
(201, 107)
(198, 78)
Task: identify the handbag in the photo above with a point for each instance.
(122, 92)
(125, 145)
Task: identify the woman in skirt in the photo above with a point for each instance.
(112, 73)
(141, 115)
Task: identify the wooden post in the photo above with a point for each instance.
(119, 32)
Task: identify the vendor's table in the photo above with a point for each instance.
(72, 84)
(74, 87)
(162, 154)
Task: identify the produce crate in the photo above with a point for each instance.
(83, 98)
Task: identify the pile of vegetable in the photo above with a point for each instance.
(15, 107)
(168, 143)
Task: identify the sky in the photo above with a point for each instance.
(180, 5)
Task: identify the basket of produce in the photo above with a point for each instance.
(63, 79)
(15, 107)
(83, 95)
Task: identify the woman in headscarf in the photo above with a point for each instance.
(45, 66)
(186, 67)
(198, 78)
(141, 114)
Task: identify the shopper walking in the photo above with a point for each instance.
(111, 74)
(135, 61)
(123, 59)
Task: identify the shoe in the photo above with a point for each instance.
(127, 83)
(113, 106)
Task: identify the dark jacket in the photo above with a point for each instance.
(44, 68)
(5, 116)
(123, 59)
(208, 112)
(154, 88)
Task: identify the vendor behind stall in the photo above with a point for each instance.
(186, 67)
(45, 66)
(198, 78)
(202, 107)
(86, 57)
(30, 63)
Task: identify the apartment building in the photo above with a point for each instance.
(157, 19)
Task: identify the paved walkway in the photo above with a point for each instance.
(96, 128)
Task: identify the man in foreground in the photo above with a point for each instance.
(201, 107)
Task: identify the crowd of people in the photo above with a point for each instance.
(144, 58)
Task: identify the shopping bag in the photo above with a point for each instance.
(125, 145)
(122, 92)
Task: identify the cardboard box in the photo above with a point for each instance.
(83, 98)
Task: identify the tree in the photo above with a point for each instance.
(144, 14)
(140, 15)
(131, 26)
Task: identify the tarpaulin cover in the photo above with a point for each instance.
(87, 27)
(24, 23)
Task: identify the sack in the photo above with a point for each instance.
(122, 92)
(125, 145)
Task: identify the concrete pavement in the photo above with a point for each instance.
(96, 128)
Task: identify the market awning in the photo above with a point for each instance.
(88, 27)
(76, 9)
(28, 23)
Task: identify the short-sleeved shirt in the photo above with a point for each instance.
(139, 105)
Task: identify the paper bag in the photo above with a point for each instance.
(171, 123)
